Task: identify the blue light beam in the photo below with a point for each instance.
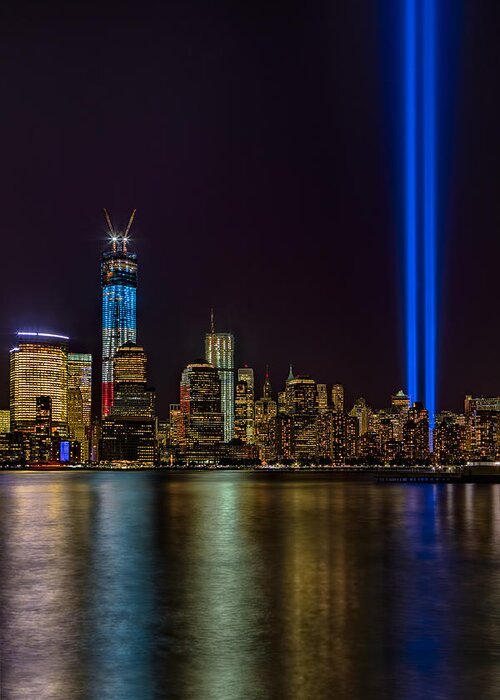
(411, 257)
(429, 201)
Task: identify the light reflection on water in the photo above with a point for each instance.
(234, 586)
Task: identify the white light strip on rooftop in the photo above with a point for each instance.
(43, 335)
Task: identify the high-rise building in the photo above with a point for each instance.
(39, 367)
(80, 400)
(219, 352)
(449, 439)
(361, 412)
(240, 410)
(129, 364)
(244, 406)
(119, 290)
(322, 397)
(266, 410)
(129, 431)
(200, 405)
(338, 398)
(416, 434)
(76, 423)
(4, 421)
(301, 395)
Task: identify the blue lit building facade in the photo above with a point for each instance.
(119, 310)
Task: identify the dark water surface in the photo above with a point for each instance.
(241, 586)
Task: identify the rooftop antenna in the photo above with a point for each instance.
(212, 322)
(111, 229)
(129, 226)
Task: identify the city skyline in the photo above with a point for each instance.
(283, 214)
(217, 347)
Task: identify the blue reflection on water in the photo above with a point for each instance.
(121, 615)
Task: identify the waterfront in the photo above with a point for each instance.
(233, 585)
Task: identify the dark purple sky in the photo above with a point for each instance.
(259, 143)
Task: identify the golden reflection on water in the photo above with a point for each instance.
(247, 587)
(42, 586)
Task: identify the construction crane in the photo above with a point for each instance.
(125, 235)
(115, 237)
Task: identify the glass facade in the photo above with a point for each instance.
(119, 312)
(80, 377)
(200, 405)
(219, 352)
(38, 367)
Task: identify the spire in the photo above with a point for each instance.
(290, 374)
(267, 393)
(212, 322)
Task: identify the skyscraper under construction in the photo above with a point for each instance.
(119, 310)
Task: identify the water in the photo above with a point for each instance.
(241, 586)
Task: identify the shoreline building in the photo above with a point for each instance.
(244, 400)
(200, 409)
(219, 352)
(80, 400)
(119, 305)
(129, 431)
(39, 368)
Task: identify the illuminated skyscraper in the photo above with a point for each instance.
(4, 421)
(322, 397)
(80, 399)
(338, 397)
(119, 290)
(200, 405)
(132, 398)
(245, 397)
(219, 352)
(266, 411)
(39, 367)
(129, 431)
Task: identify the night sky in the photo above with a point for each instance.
(260, 144)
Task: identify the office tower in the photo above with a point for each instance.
(361, 413)
(245, 374)
(200, 405)
(119, 290)
(338, 398)
(322, 397)
(76, 423)
(177, 432)
(80, 383)
(338, 437)
(240, 410)
(266, 410)
(352, 434)
(484, 441)
(401, 401)
(416, 434)
(219, 352)
(4, 421)
(301, 395)
(298, 429)
(129, 431)
(132, 398)
(130, 364)
(449, 443)
(39, 367)
(42, 444)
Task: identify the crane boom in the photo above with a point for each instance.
(110, 225)
(130, 222)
